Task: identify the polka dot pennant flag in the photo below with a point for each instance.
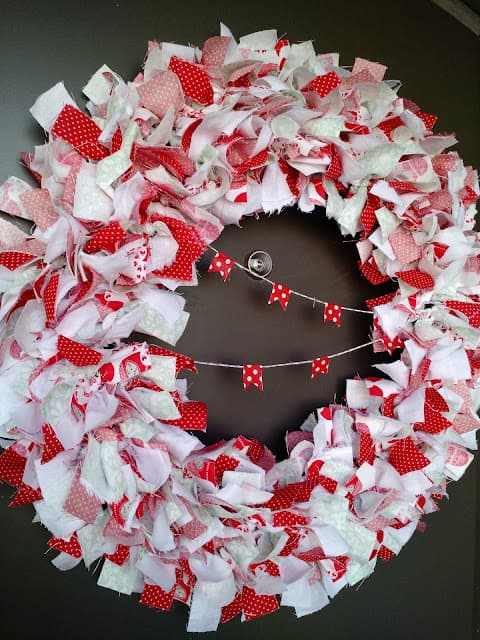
(280, 293)
(320, 365)
(252, 375)
(221, 264)
(332, 313)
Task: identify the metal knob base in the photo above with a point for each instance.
(259, 263)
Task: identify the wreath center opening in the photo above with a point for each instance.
(231, 322)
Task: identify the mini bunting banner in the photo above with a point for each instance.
(320, 365)
(332, 313)
(280, 293)
(252, 375)
(221, 264)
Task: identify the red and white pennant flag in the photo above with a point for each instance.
(320, 365)
(280, 293)
(332, 313)
(252, 375)
(221, 264)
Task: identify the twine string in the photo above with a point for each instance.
(287, 364)
(292, 291)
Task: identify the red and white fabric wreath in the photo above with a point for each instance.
(97, 429)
